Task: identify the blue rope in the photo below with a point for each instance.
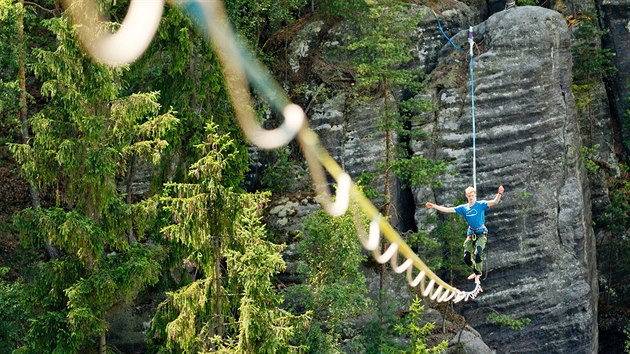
(472, 94)
(444, 34)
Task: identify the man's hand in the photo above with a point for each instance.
(497, 198)
(429, 205)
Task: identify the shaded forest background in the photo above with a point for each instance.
(82, 235)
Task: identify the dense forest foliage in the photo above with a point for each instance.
(189, 241)
(193, 239)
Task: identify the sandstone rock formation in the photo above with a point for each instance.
(541, 245)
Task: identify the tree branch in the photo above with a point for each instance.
(39, 6)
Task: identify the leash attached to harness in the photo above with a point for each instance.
(471, 43)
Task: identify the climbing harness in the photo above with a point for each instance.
(241, 69)
(476, 228)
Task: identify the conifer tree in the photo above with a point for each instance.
(334, 291)
(383, 52)
(82, 139)
(230, 303)
(233, 305)
(384, 68)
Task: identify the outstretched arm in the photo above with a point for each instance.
(496, 199)
(440, 208)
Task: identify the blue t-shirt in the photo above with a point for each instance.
(474, 215)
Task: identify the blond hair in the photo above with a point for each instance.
(470, 190)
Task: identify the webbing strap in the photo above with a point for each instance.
(444, 34)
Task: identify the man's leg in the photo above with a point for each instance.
(469, 250)
(480, 246)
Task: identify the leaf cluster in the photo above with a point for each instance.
(616, 221)
(592, 62)
(587, 155)
(340, 9)
(449, 231)
(280, 172)
(508, 321)
(418, 171)
(334, 290)
(13, 313)
(256, 20)
(383, 52)
(383, 46)
(417, 331)
(85, 131)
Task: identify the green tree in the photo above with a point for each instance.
(281, 170)
(616, 220)
(13, 313)
(14, 99)
(382, 52)
(334, 289)
(233, 306)
(257, 20)
(412, 328)
(591, 65)
(180, 65)
(83, 137)
(10, 90)
(449, 231)
(382, 60)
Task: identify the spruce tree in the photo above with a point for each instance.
(228, 302)
(231, 305)
(334, 291)
(385, 70)
(384, 67)
(82, 139)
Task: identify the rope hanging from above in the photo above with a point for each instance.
(471, 66)
(471, 43)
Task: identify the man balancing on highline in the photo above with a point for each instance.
(474, 212)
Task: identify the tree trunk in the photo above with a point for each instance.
(35, 200)
(192, 72)
(130, 170)
(219, 295)
(102, 344)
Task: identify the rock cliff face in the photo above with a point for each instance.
(541, 244)
(615, 16)
(541, 247)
